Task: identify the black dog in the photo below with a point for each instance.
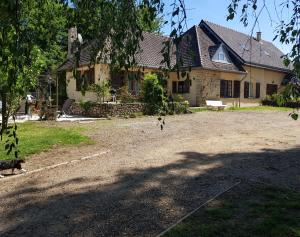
(11, 164)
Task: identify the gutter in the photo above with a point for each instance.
(268, 67)
(243, 78)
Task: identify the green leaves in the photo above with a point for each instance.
(153, 93)
(294, 115)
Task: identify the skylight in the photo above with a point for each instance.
(244, 47)
(266, 53)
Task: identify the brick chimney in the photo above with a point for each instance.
(72, 36)
(258, 36)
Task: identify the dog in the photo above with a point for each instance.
(11, 164)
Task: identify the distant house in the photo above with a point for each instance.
(225, 64)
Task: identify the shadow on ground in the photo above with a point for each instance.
(142, 202)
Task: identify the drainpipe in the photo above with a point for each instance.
(243, 78)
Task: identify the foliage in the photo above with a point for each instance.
(154, 25)
(178, 107)
(177, 98)
(260, 108)
(38, 137)
(154, 96)
(126, 97)
(102, 90)
(27, 48)
(287, 30)
(86, 105)
(33, 32)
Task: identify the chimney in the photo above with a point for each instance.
(258, 36)
(72, 36)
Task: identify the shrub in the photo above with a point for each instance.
(178, 98)
(178, 107)
(126, 97)
(86, 105)
(102, 90)
(154, 96)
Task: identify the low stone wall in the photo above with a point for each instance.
(98, 110)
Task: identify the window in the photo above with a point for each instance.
(257, 89)
(86, 78)
(226, 89)
(181, 86)
(271, 89)
(237, 89)
(134, 79)
(221, 56)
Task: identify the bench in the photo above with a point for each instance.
(215, 104)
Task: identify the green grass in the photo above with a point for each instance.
(252, 108)
(41, 136)
(260, 212)
(197, 110)
(260, 108)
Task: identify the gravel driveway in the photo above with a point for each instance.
(149, 178)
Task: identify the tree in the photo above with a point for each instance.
(287, 30)
(33, 38)
(154, 25)
(27, 47)
(102, 90)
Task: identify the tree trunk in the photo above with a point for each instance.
(4, 111)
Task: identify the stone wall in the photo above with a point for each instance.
(98, 110)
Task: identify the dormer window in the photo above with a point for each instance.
(221, 55)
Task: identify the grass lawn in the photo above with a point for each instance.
(35, 137)
(196, 110)
(254, 108)
(254, 211)
(260, 108)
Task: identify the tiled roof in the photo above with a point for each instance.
(149, 55)
(188, 54)
(198, 46)
(207, 49)
(251, 51)
(196, 49)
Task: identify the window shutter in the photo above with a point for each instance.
(237, 89)
(91, 76)
(257, 90)
(246, 89)
(174, 87)
(229, 89)
(187, 86)
(222, 88)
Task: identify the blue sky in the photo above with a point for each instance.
(216, 11)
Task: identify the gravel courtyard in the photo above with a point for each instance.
(148, 179)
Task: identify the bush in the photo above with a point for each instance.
(154, 96)
(126, 97)
(177, 98)
(178, 107)
(86, 105)
(101, 90)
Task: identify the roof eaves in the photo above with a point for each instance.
(267, 67)
(199, 45)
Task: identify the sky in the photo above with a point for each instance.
(216, 11)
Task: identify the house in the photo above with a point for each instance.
(222, 64)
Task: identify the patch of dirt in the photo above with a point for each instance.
(150, 178)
